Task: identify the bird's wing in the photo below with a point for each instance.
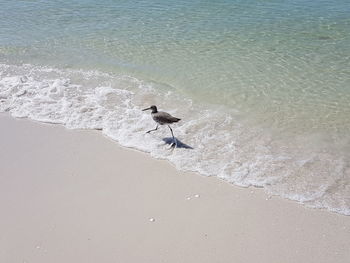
(163, 117)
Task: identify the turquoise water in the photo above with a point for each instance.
(263, 87)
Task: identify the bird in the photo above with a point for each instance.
(162, 118)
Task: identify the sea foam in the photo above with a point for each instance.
(214, 141)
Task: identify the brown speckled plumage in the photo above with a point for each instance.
(162, 118)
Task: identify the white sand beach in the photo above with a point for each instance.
(75, 196)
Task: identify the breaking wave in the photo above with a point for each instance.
(213, 140)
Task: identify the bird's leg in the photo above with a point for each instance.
(153, 129)
(174, 140)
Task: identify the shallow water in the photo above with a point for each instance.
(262, 87)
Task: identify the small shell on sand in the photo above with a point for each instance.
(152, 220)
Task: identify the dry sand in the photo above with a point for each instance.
(75, 196)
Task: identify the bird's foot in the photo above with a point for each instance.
(173, 145)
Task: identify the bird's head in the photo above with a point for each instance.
(153, 108)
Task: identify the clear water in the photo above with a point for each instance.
(262, 86)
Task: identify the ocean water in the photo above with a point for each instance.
(262, 86)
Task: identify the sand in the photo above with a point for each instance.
(76, 196)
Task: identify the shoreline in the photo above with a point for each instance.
(75, 196)
(224, 145)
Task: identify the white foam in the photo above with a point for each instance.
(222, 146)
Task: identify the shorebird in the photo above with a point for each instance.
(162, 118)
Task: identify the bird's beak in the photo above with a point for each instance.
(146, 109)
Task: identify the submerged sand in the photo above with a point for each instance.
(75, 196)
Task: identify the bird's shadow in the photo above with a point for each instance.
(180, 144)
